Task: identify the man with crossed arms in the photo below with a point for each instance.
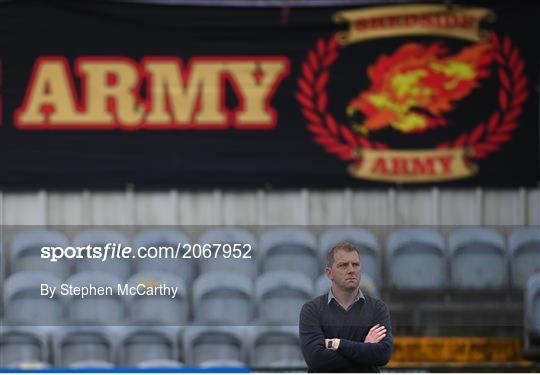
(345, 330)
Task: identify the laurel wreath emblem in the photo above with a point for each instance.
(338, 139)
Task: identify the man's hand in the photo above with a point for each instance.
(375, 334)
(335, 343)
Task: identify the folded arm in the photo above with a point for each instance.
(317, 357)
(377, 354)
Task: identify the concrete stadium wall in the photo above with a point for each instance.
(301, 207)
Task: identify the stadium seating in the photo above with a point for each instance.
(23, 347)
(140, 345)
(90, 364)
(532, 307)
(161, 237)
(280, 296)
(276, 347)
(289, 249)
(158, 309)
(230, 236)
(99, 237)
(159, 363)
(222, 364)
(416, 260)
(3, 272)
(365, 241)
(99, 309)
(221, 297)
(75, 346)
(230, 296)
(524, 248)
(23, 303)
(478, 261)
(215, 346)
(25, 252)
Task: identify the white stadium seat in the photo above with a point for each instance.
(164, 237)
(24, 304)
(478, 260)
(158, 309)
(220, 297)
(99, 237)
(524, 248)
(416, 260)
(280, 296)
(25, 252)
(289, 249)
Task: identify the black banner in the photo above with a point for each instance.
(98, 94)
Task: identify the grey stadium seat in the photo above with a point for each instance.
(230, 235)
(365, 241)
(99, 309)
(322, 285)
(158, 309)
(416, 260)
(165, 238)
(222, 363)
(220, 297)
(3, 273)
(280, 296)
(99, 237)
(218, 343)
(160, 363)
(532, 307)
(25, 252)
(23, 303)
(289, 249)
(140, 345)
(524, 248)
(23, 347)
(78, 347)
(91, 364)
(478, 259)
(276, 347)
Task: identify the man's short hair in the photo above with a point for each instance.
(347, 246)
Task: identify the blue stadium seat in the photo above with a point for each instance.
(230, 236)
(99, 237)
(99, 309)
(25, 252)
(365, 241)
(323, 284)
(164, 238)
(158, 309)
(140, 345)
(289, 249)
(478, 260)
(23, 347)
(416, 260)
(24, 304)
(276, 347)
(280, 296)
(217, 343)
(83, 346)
(524, 248)
(220, 297)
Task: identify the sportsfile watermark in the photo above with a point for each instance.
(114, 250)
